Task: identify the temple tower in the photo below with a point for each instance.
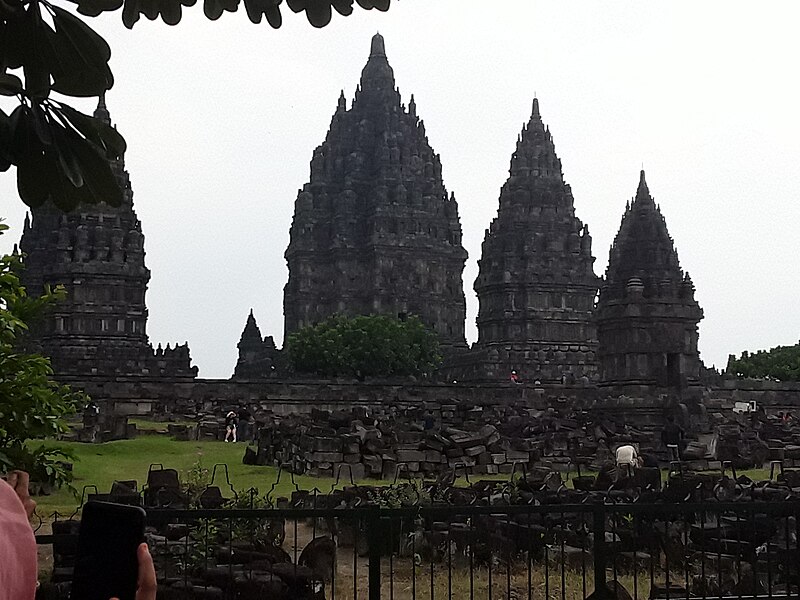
(97, 253)
(647, 315)
(258, 356)
(374, 230)
(536, 284)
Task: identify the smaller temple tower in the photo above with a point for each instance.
(647, 315)
(96, 252)
(258, 357)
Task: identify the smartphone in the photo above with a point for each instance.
(106, 565)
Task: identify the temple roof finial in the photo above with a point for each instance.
(101, 112)
(377, 75)
(377, 48)
(642, 192)
(535, 112)
(251, 335)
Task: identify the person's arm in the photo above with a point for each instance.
(18, 569)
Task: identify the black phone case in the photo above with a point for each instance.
(106, 565)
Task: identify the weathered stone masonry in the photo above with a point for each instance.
(647, 315)
(97, 254)
(536, 284)
(374, 230)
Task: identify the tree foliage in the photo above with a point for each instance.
(60, 153)
(32, 405)
(365, 346)
(781, 363)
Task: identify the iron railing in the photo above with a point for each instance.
(744, 550)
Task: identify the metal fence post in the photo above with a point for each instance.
(599, 552)
(375, 541)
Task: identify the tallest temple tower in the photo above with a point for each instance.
(374, 230)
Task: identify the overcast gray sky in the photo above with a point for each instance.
(221, 119)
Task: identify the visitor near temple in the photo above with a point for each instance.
(231, 423)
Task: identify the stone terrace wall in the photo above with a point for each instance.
(143, 395)
(774, 396)
(164, 396)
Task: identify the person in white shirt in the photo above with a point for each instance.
(627, 455)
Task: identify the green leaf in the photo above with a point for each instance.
(41, 126)
(213, 9)
(99, 181)
(382, 5)
(22, 137)
(92, 8)
(130, 13)
(10, 85)
(16, 35)
(5, 143)
(268, 8)
(80, 57)
(319, 13)
(343, 7)
(35, 173)
(67, 160)
(92, 47)
(35, 49)
(96, 131)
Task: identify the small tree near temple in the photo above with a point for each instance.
(32, 405)
(365, 346)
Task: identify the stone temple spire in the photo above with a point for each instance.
(377, 47)
(97, 253)
(536, 284)
(101, 112)
(643, 248)
(374, 229)
(647, 315)
(377, 77)
(118, 165)
(251, 335)
(257, 356)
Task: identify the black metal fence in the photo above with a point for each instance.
(564, 551)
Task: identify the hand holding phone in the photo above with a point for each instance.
(146, 584)
(20, 481)
(109, 555)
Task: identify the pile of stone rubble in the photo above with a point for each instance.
(432, 439)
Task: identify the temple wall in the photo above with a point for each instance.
(142, 396)
(162, 396)
(773, 396)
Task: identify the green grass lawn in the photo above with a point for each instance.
(102, 464)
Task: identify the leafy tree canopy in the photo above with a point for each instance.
(62, 154)
(781, 363)
(365, 346)
(32, 405)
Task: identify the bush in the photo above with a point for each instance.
(33, 406)
(365, 346)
